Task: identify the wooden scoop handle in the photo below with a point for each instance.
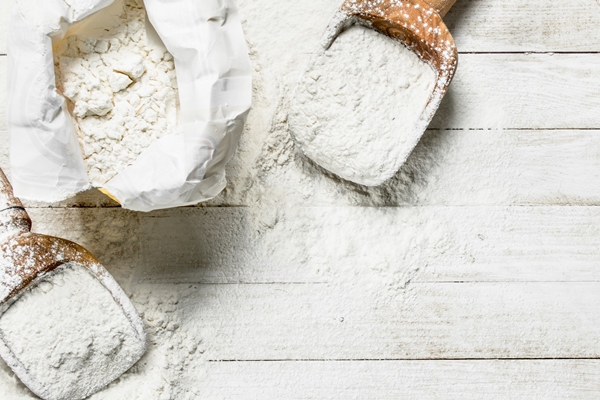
(7, 198)
(414, 23)
(14, 217)
(441, 6)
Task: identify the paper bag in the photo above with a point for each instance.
(186, 167)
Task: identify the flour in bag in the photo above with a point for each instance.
(363, 93)
(71, 321)
(122, 91)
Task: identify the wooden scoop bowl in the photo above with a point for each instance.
(418, 25)
(415, 23)
(26, 257)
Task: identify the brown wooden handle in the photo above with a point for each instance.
(7, 198)
(14, 217)
(441, 6)
(412, 22)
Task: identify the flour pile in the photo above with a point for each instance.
(73, 324)
(358, 105)
(122, 89)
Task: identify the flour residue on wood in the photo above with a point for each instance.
(358, 104)
(121, 87)
(69, 331)
(184, 321)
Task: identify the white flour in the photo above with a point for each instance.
(268, 175)
(358, 104)
(72, 323)
(123, 91)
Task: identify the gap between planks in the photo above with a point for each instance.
(421, 282)
(342, 360)
(527, 52)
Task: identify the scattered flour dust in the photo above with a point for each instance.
(358, 104)
(268, 176)
(122, 90)
(76, 332)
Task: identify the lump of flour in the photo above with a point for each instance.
(356, 108)
(68, 331)
(122, 91)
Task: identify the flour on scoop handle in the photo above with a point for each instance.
(358, 103)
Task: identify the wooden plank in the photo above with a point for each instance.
(350, 321)
(527, 91)
(476, 25)
(505, 167)
(439, 379)
(512, 25)
(491, 167)
(324, 379)
(548, 379)
(326, 244)
(495, 91)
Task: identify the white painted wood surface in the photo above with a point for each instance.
(485, 282)
(538, 91)
(391, 380)
(522, 26)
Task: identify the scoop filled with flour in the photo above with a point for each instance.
(364, 103)
(66, 327)
(121, 87)
(71, 334)
(358, 104)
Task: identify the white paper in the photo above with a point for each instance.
(215, 89)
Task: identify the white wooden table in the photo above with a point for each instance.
(502, 303)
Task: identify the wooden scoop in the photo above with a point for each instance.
(26, 259)
(418, 25)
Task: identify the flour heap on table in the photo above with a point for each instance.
(358, 103)
(122, 92)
